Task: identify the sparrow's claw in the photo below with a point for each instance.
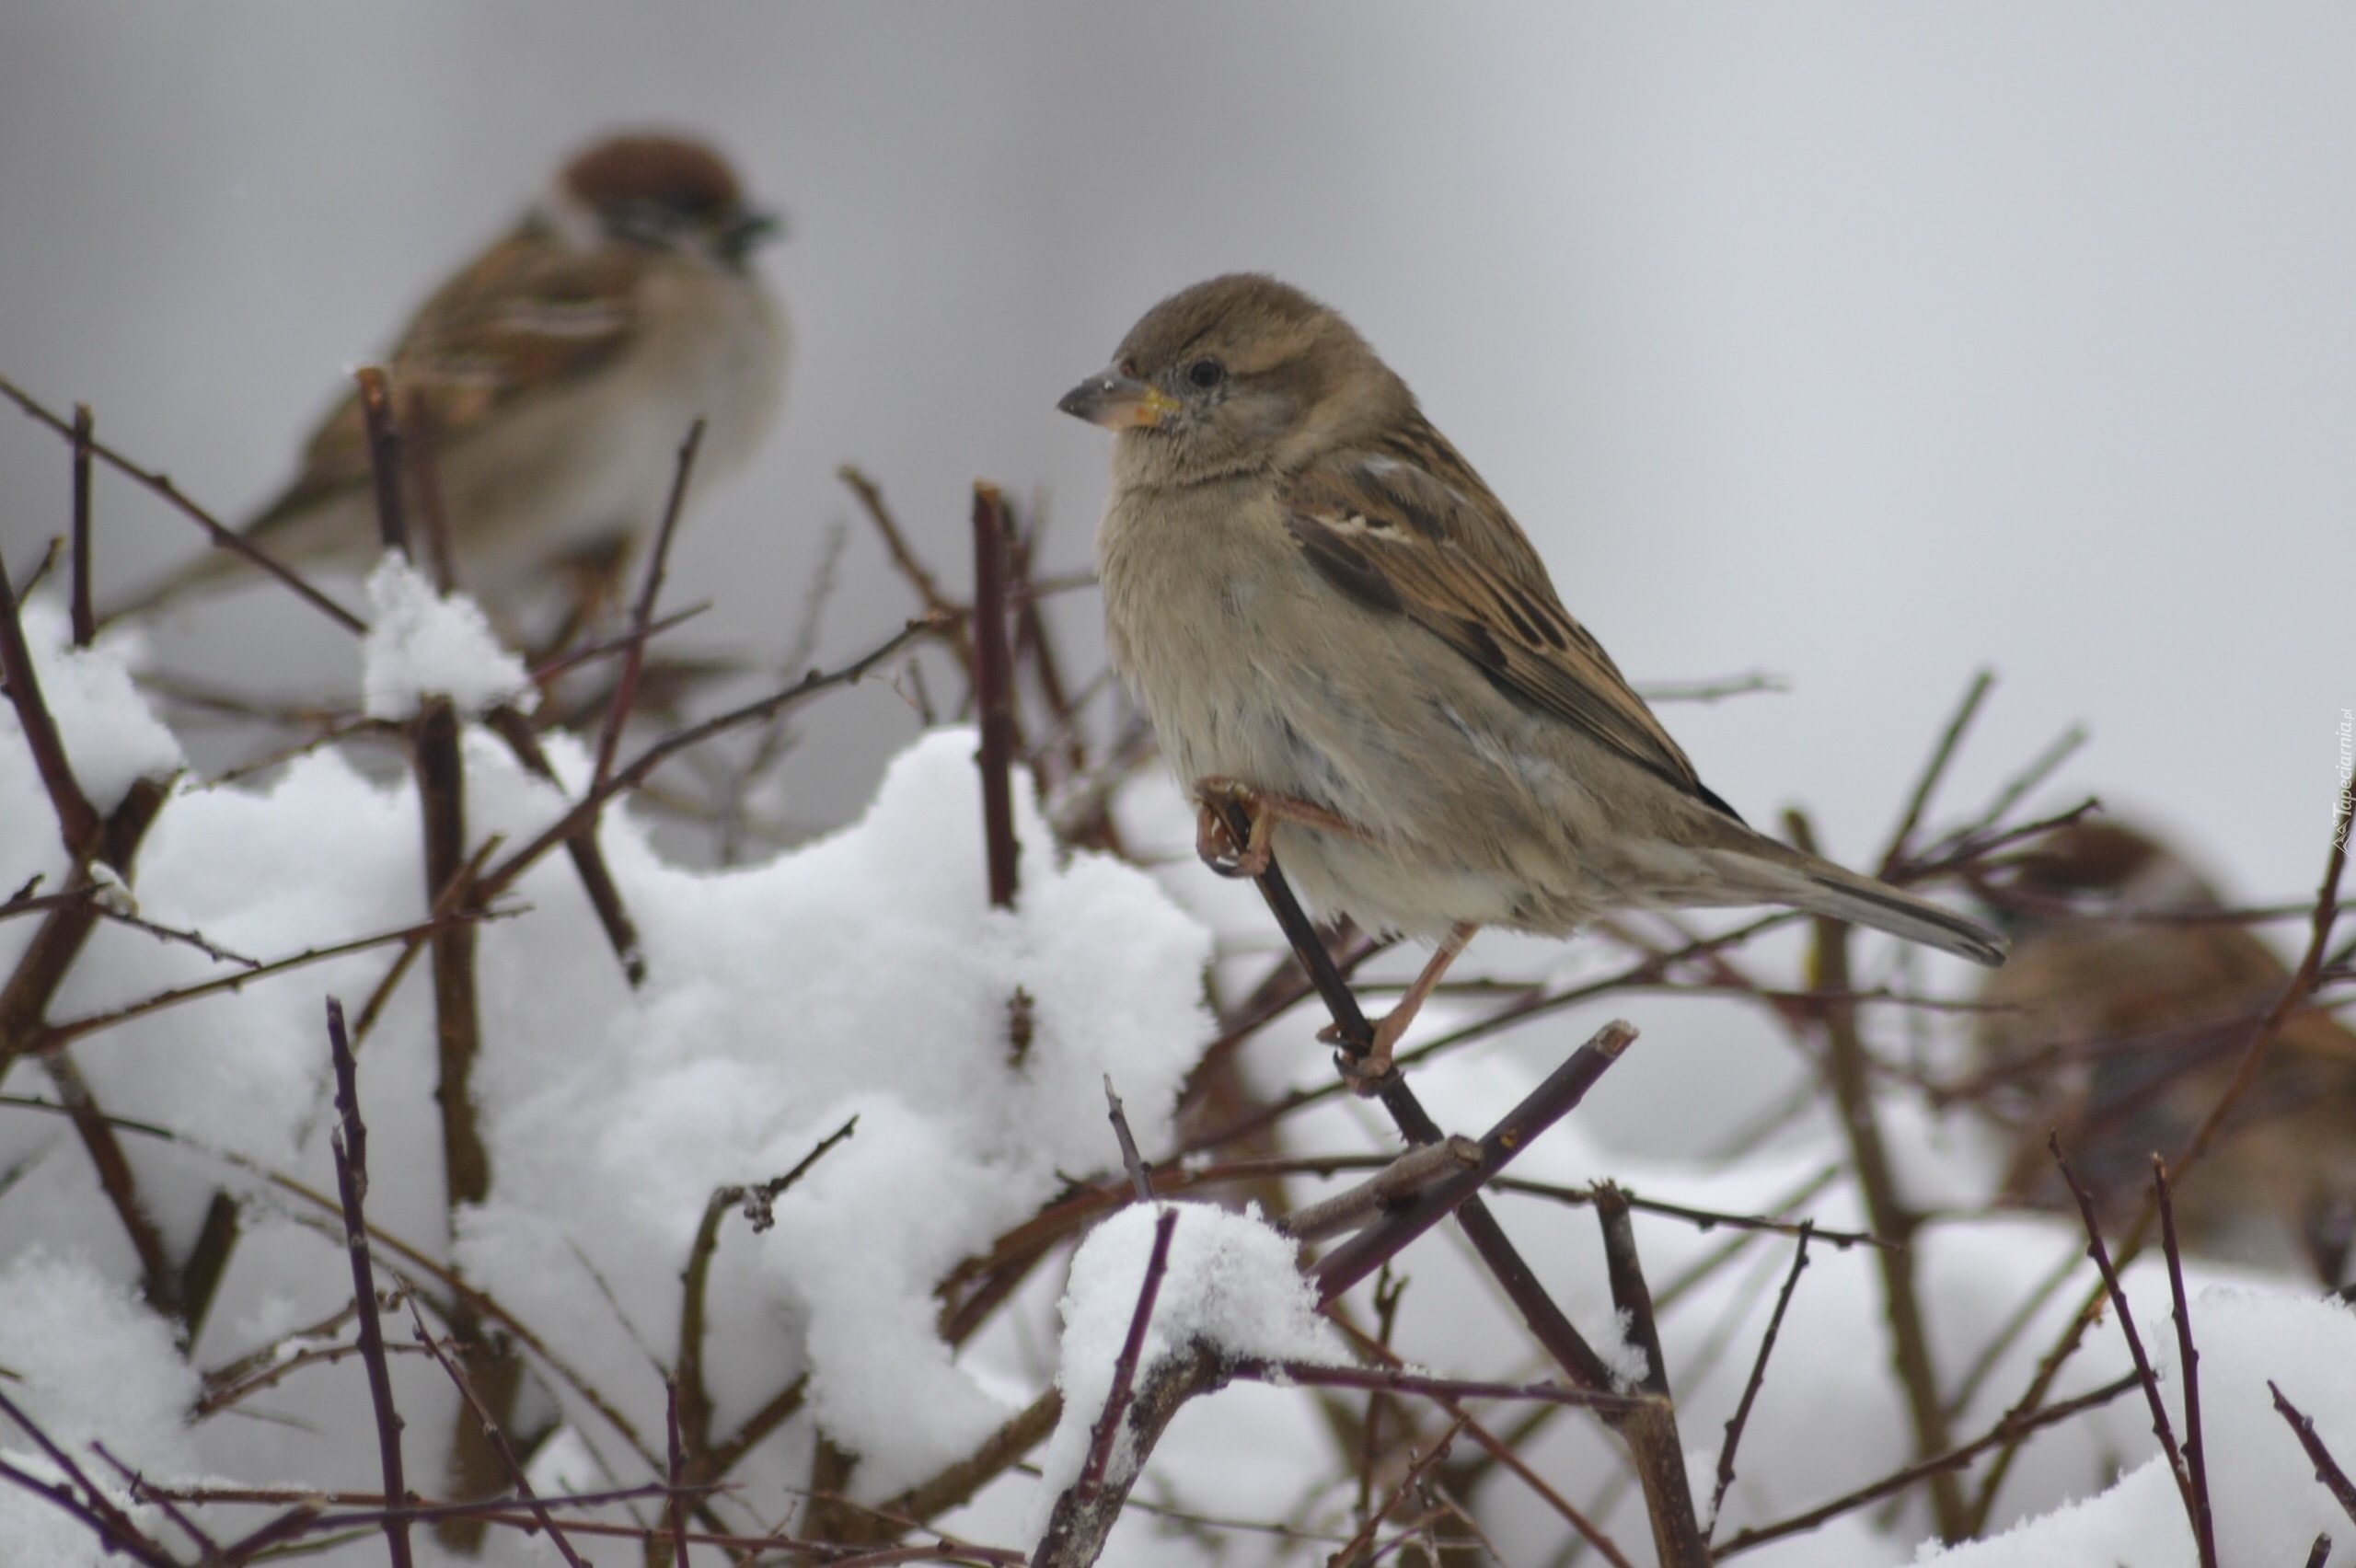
(1215, 839)
(1215, 835)
(1367, 1074)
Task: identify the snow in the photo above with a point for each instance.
(1232, 1282)
(85, 1360)
(109, 735)
(420, 644)
(865, 974)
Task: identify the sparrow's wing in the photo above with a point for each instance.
(1406, 528)
(529, 316)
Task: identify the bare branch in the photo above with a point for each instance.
(350, 1147)
(2327, 1469)
(86, 620)
(2204, 1524)
(609, 734)
(993, 672)
(1742, 1416)
(222, 536)
(1125, 1367)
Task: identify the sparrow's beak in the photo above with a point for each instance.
(746, 230)
(1119, 402)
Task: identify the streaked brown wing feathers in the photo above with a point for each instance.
(1396, 530)
(526, 315)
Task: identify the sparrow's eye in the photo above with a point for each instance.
(1206, 373)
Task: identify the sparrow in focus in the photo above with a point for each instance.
(1335, 624)
(557, 373)
(2118, 1026)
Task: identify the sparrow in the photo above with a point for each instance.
(2118, 1026)
(557, 373)
(1336, 626)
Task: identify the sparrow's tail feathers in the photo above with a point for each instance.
(1848, 896)
(1784, 875)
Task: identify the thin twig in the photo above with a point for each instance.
(1717, 690)
(2012, 1428)
(222, 536)
(629, 777)
(2204, 1524)
(1354, 1551)
(1125, 1367)
(1140, 1174)
(1935, 768)
(1701, 1219)
(2327, 1469)
(57, 1034)
(2161, 1427)
(676, 1470)
(351, 1145)
(1742, 1416)
(383, 458)
(588, 856)
(994, 693)
(1553, 1098)
(113, 1526)
(490, 1431)
(625, 695)
(1650, 1431)
(78, 820)
(86, 620)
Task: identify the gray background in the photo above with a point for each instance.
(1864, 343)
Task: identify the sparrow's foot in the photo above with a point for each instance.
(1365, 1074)
(1215, 834)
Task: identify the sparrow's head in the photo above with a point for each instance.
(663, 191)
(1237, 375)
(2098, 866)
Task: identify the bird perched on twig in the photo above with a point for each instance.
(554, 375)
(2131, 995)
(1336, 626)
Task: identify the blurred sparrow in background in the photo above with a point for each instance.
(2119, 1031)
(1337, 625)
(558, 373)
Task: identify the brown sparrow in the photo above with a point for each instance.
(1334, 623)
(558, 373)
(2119, 1024)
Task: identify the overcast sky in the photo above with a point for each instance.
(1864, 343)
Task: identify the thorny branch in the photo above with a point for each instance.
(1742, 1416)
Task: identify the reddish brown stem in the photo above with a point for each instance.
(2161, 1427)
(994, 692)
(491, 1434)
(86, 620)
(78, 820)
(1742, 1416)
(2327, 1469)
(588, 857)
(1552, 1101)
(609, 734)
(2196, 1464)
(1125, 1369)
(384, 457)
(349, 1143)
